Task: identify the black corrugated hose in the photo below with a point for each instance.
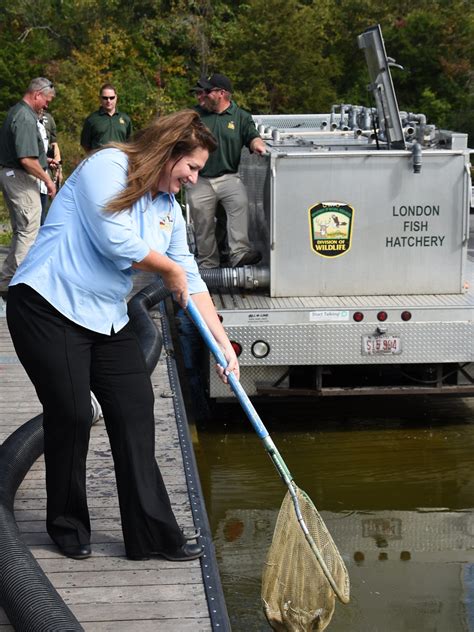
(28, 597)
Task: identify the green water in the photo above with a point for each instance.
(393, 480)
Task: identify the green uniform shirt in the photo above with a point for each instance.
(50, 127)
(100, 128)
(20, 137)
(232, 129)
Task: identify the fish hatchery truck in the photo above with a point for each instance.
(365, 285)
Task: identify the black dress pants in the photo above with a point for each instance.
(65, 362)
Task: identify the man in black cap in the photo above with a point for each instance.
(199, 92)
(219, 180)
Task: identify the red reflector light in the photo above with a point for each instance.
(382, 316)
(358, 316)
(406, 316)
(236, 347)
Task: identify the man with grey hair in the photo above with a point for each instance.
(22, 163)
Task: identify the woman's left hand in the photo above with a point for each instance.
(232, 365)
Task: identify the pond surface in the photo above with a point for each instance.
(393, 480)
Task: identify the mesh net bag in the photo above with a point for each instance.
(296, 595)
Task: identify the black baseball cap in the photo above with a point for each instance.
(199, 84)
(216, 81)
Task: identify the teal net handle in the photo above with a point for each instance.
(262, 432)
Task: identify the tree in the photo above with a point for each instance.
(277, 54)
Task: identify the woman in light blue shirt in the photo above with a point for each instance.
(67, 315)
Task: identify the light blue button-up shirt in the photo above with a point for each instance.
(81, 261)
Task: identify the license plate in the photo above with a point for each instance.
(381, 345)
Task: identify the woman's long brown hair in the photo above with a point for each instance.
(166, 138)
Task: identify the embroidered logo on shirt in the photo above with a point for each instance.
(231, 125)
(121, 121)
(166, 223)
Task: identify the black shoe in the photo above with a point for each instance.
(76, 551)
(248, 259)
(183, 553)
(192, 535)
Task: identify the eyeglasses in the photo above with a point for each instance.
(108, 98)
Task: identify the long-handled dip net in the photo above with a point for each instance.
(304, 571)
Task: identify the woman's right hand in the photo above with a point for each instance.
(175, 280)
(232, 364)
(173, 275)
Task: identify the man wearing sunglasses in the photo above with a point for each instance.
(107, 124)
(219, 180)
(23, 162)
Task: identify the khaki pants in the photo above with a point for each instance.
(202, 199)
(21, 194)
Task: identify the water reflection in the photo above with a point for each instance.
(393, 482)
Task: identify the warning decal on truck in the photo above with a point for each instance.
(330, 226)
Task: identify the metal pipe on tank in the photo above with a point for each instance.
(341, 120)
(416, 156)
(353, 111)
(367, 118)
(421, 120)
(276, 135)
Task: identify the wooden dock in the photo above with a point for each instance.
(107, 592)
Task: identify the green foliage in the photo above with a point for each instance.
(436, 109)
(276, 52)
(282, 55)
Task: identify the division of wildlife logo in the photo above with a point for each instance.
(166, 223)
(121, 121)
(231, 125)
(330, 227)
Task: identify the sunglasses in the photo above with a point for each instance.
(108, 98)
(48, 86)
(214, 90)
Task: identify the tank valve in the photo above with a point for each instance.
(416, 154)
